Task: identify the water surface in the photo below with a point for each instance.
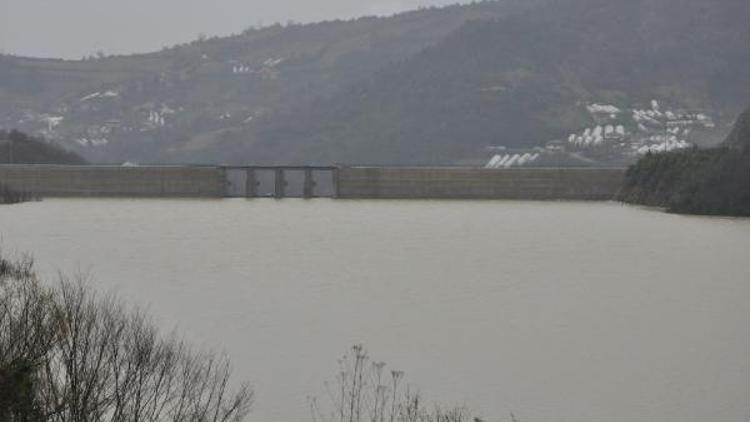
(554, 311)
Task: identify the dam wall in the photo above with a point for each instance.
(303, 182)
(166, 181)
(474, 183)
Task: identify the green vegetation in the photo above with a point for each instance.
(19, 148)
(707, 182)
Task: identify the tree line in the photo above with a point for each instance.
(19, 148)
(697, 181)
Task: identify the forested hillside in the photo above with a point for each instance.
(547, 82)
(711, 181)
(522, 81)
(180, 103)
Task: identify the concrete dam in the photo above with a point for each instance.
(312, 182)
(473, 183)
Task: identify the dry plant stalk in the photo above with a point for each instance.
(365, 391)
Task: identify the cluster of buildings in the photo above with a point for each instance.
(96, 95)
(512, 160)
(267, 70)
(56, 126)
(93, 142)
(599, 111)
(238, 69)
(640, 130)
(95, 118)
(617, 137)
(655, 116)
(663, 143)
(598, 135)
(156, 119)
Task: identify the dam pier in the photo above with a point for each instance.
(280, 182)
(313, 182)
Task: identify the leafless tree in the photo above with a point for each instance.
(26, 338)
(93, 359)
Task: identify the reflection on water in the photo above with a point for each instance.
(555, 311)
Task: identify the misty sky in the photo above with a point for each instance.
(73, 28)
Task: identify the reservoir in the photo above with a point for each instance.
(555, 311)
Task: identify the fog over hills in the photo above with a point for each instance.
(572, 81)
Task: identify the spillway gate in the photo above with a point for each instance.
(280, 182)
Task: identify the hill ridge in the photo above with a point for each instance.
(454, 85)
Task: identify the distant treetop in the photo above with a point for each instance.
(18, 148)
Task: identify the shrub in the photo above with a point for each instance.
(12, 196)
(69, 354)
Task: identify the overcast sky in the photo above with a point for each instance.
(73, 28)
